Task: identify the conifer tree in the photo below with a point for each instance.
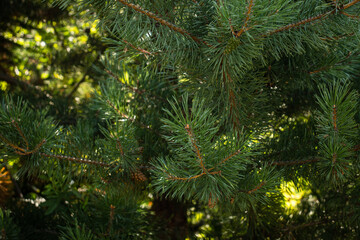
(206, 112)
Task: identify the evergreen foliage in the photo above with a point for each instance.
(208, 116)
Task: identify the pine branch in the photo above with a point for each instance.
(349, 15)
(162, 21)
(226, 159)
(350, 4)
(120, 147)
(11, 144)
(312, 19)
(119, 112)
(319, 70)
(170, 177)
(338, 37)
(211, 203)
(305, 21)
(248, 14)
(74, 159)
(234, 111)
(136, 90)
(334, 158)
(197, 150)
(111, 218)
(257, 187)
(334, 118)
(21, 133)
(137, 48)
(22, 151)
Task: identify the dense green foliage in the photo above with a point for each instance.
(208, 119)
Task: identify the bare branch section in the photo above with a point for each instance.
(248, 14)
(162, 21)
(74, 159)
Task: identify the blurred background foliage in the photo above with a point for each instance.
(47, 55)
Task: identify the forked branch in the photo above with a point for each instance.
(19, 150)
(247, 19)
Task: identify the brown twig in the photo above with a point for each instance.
(37, 147)
(334, 118)
(74, 159)
(318, 70)
(294, 25)
(126, 85)
(312, 19)
(257, 187)
(334, 156)
(248, 13)
(335, 38)
(16, 148)
(21, 133)
(120, 147)
(225, 159)
(162, 21)
(356, 148)
(211, 203)
(111, 217)
(137, 48)
(350, 4)
(197, 150)
(22, 151)
(170, 177)
(232, 99)
(349, 15)
(232, 28)
(119, 112)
